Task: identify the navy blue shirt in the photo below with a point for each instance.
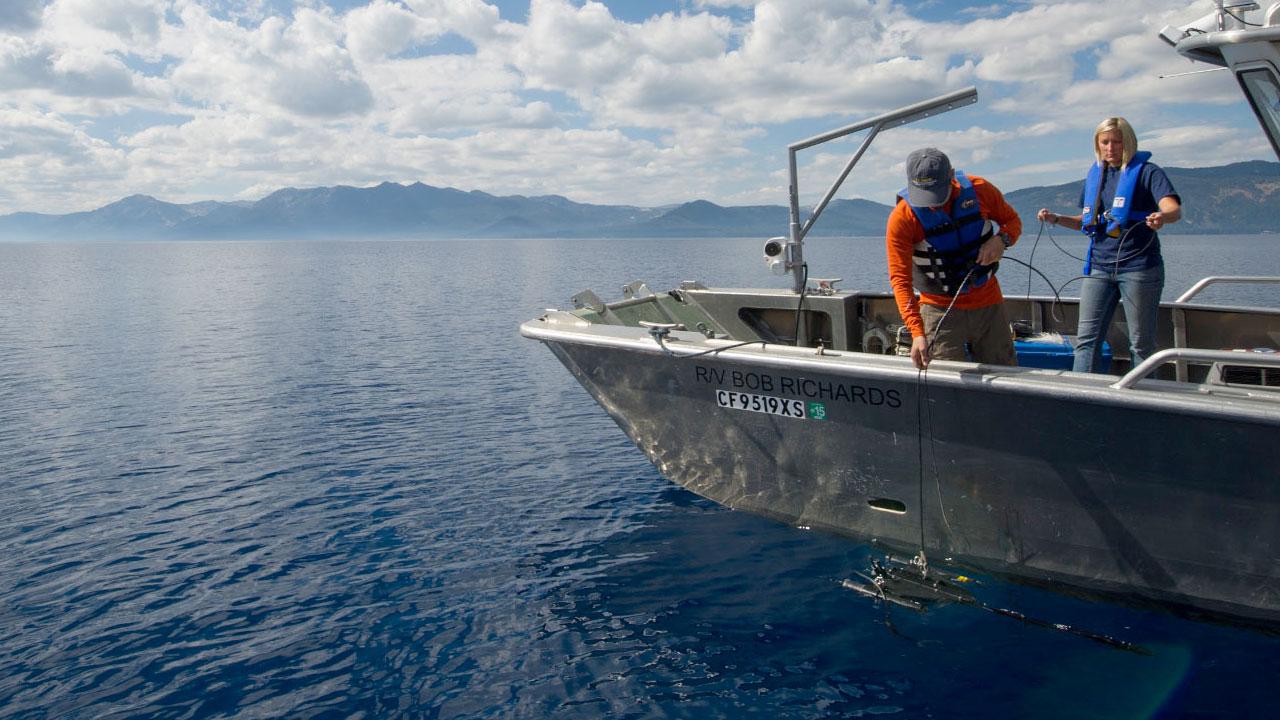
(1139, 246)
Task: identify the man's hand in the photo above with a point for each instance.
(991, 251)
(920, 351)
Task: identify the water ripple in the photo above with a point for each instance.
(328, 480)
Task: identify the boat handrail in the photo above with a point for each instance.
(1180, 317)
(1212, 280)
(1234, 357)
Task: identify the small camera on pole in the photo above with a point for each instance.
(776, 255)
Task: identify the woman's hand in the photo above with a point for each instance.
(1170, 212)
(1070, 222)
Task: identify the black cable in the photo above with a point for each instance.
(959, 290)
(1031, 269)
(922, 397)
(1119, 259)
(712, 351)
(1120, 256)
(1064, 251)
(1242, 21)
(1057, 298)
(804, 286)
(1115, 267)
(1034, 245)
(1053, 240)
(1065, 284)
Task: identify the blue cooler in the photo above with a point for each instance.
(1054, 353)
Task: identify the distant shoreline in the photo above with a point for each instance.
(1241, 198)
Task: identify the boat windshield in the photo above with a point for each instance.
(1264, 95)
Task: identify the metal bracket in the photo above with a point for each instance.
(588, 299)
(635, 289)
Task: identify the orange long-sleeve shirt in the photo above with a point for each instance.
(902, 233)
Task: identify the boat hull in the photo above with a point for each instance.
(1019, 473)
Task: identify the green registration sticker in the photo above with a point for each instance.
(817, 411)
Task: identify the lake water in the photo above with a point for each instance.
(329, 479)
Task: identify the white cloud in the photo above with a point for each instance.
(40, 151)
(191, 99)
(24, 64)
(1189, 141)
(475, 20)
(106, 25)
(384, 28)
(298, 67)
(73, 72)
(570, 48)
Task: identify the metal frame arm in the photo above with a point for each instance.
(901, 116)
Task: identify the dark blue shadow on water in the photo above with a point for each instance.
(710, 613)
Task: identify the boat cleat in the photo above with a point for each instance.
(826, 286)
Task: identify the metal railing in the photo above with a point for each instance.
(1206, 282)
(1180, 316)
(1146, 367)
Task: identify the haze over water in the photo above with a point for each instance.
(292, 479)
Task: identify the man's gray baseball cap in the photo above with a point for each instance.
(928, 177)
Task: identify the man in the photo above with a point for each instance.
(936, 244)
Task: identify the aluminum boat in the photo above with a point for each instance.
(1159, 482)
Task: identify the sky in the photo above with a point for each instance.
(627, 102)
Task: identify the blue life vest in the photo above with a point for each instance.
(951, 243)
(1120, 216)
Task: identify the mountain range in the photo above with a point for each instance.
(1239, 198)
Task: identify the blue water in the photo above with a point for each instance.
(313, 480)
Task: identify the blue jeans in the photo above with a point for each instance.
(1139, 290)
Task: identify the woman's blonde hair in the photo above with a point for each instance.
(1127, 137)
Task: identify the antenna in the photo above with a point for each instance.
(1189, 72)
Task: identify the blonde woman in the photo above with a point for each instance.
(1125, 202)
